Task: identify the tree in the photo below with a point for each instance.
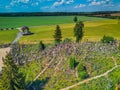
(72, 62)
(78, 31)
(82, 72)
(58, 35)
(11, 78)
(75, 19)
(41, 46)
(107, 39)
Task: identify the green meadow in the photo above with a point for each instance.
(9, 22)
(93, 31)
(43, 28)
(7, 36)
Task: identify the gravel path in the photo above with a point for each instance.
(92, 78)
(3, 52)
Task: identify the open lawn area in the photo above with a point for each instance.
(93, 31)
(43, 28)
(7, 36)
(11, 22)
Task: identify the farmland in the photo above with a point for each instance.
(93, 31)
(7, 36)
(50, 69)
(43, 28)
(9, 22)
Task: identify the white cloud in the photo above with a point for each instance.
(61, 2)
(79, 6)
(58, 3)
(23, 1)
(35, 4)
(7, 7)
(96, 3)
(69, 1)
(89, 0)
(13, 2)
(45, 7)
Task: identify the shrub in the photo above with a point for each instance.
(72, 62)
(119, 47)
(108, 39)
(41, 46)
(67, 40)
(82, 72)
(82, 75)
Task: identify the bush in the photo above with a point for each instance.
(82, 72)
(72, 62)
(119, 47)
(41, 46)
(108, 39)
(67, 40)
(83, 75)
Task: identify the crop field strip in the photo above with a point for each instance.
(100, 26)
(13, 22)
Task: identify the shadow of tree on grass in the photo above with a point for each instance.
(39, 84)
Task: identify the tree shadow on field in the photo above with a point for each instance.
(39, 84)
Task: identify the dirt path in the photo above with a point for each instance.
(92, 78)
(3, 52)
(19, 35)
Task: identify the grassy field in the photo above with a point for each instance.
(43, 28)
(93, 31)
(9, 22)
(7, 36)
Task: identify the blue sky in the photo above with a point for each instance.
(59, 5)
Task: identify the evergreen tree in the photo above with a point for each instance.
(41, 46)
(11, 78)
(75, 19)
(78, 31)
(58, 35)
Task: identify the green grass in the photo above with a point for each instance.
(104, 83)
(7, 36)
(8, 22)
(93, 31)
(43, 28)
(97, 62)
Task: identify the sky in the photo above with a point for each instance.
(59, 5)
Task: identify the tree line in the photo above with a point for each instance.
(17, 14)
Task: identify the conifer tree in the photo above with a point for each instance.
(41, 46)
(11, 78)
(58, 35)
(78, 31)
(75, 19)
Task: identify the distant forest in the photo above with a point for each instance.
(106, 14)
